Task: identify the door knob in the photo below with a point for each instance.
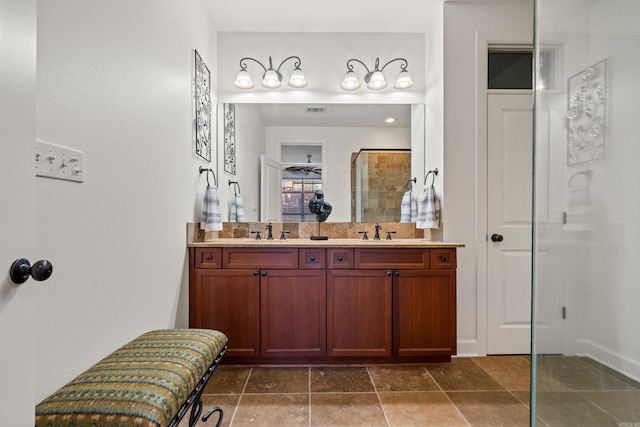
(497, 238)
(21, 269)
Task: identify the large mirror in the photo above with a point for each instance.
(339, 148)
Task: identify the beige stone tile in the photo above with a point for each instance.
(623, 405)
(340, 380)
(567, 408)
(512, 372)
(402, 378)
(339, 230)
(227, 380)
(425, 409)
(523, 396)
(463, 374)
(278, 380)
(491, 408)
(345, 410)
(270, 410)
(578, 375)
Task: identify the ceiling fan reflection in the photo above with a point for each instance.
(305, 169)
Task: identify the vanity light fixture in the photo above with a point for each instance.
(375, 78)
(272, 78)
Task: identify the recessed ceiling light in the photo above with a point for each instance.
(390, 120)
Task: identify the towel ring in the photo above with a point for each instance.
(236, 187)
(207, 170)
(587, 173)
(433, 178)
(409, 186)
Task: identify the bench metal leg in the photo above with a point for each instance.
(195, 399)
(211, 412)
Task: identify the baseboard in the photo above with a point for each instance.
(625, 365)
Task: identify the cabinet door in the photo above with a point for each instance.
(424, 312)
(359, 313)
(294, 312)
(229, 301)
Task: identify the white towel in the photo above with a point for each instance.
(237, 209)
(428, 209)
(211, 216)
(408, 208)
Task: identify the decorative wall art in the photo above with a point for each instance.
(230, 138)
(204, 107)
(587, 99)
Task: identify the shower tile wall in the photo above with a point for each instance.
(384, 179)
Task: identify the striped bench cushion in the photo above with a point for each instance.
(143, 383)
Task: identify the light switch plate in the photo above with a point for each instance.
(56, 161)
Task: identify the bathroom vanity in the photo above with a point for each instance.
(326, 302)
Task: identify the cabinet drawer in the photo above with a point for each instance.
(392, 258)
(339, 258)
(257, 258)
(208, 258)
(443, 258)
(312, 258)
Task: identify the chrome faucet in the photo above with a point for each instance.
(269, 228)
(378, 228)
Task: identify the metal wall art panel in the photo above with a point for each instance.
(203, 108)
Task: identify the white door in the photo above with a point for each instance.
(510, 169)
(17, 208)
(270, 190)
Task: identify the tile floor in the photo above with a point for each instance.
(482, 391)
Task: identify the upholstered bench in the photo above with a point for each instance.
(149, 382)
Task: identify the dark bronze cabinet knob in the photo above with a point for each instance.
(497, 238)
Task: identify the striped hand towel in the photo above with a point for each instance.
(211, 216)
(428, 209)
(237, 209)
(408, 208)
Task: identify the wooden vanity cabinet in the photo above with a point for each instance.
(424, 312)
(327, 305)
(266, 305)
(228, 301)
(359, 313)
(293, 312)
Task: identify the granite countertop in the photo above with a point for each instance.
(330, 243)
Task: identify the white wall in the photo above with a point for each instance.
(338, 144)
(468, 29)
(115, 81)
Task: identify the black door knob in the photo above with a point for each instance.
(497, 238)
(21, 269)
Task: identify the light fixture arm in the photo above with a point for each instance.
(295, 64)
(243, 64)
(350, 67)
(403, 67)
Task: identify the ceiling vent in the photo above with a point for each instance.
(315, 109)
